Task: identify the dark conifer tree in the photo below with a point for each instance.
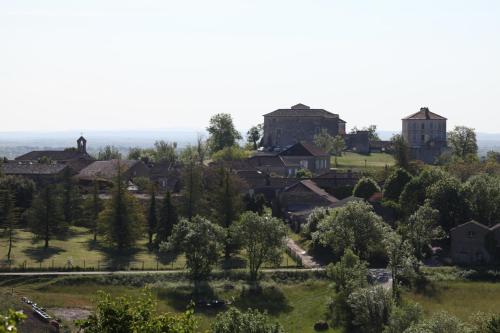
(168, 219)
(152, 216)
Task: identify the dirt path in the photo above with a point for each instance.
(307, 260)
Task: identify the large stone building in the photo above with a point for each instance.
(285, 127)
(425, 133)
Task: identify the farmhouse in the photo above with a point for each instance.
(475, 243)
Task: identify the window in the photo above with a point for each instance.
(470, 234)
(422, 138)
(422, 126)
(303, 164)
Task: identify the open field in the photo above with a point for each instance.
(79, 250)
(350, 160)
(296, 305)
(459, 298)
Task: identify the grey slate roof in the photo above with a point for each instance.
(54, 155)
(31, 168)
(302, 111)
(311, 186)
(424, 114)
(105, 169)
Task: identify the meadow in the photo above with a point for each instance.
(350, 160)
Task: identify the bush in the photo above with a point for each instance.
(365, 188)
(321, 326)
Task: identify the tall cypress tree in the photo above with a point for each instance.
(9, 218)
(168, 219)
(96, 207)
(152, 216)
(71, 198)
(193, 188)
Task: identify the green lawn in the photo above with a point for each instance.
(350, 160)
(459, 298)
(80, 249)
(296, 305)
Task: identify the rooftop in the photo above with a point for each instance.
(303, 111)
(424, 114)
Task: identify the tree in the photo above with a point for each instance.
(129, 315)
(338, 146)
(404, 316)
(71, 198)
(122, 218)
(152, 216)
(222, 132)
(312, 221)
(109, 153)
(45, 216)
(401, 260)
(255, 203)
(324, 140)
(483, 192)
(168, 219)
(9, 321)
(303, 173)
(401, 151)
(354, 226)
(236, 321)
(370, 308)
(95, 208)
(232, 153)
(372, 133)
(440, 322)
(462, 141)
(365, 188)
(227, 204)
(422, 228)
(9, 218)
(165, 152)
(200, 241)
(22, 188)
(447, 196)
(262, 238)
(395, 184)
(254, 135)
(192, 190)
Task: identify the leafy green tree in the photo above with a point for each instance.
(122, 218)
(404, 316)
(109, 153)
(143, 183)
(316, 216)
(400, 151)
(236, 321)
(95, 206)
(168, 219)
(354, 226)
(365, 188)
(370, 308)
(395, 184)
(447, 196)
(200, 240)
(254, 135)
(255, 203)
(152, 216)
(9, 218)
(324, 140)
(165, 151)
(232, 153)
(262, 238)
(192, 190)
(23, 189)
(401, 260)
(227, 203)
(9, 321)
(440, 322)
(131, 315)
(222, 132)
(71, 198)
(45, 217)
(483, 192)
(303, 173)
(463, 143)
(338, 146)
(422, 228)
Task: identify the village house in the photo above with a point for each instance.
(41, 173)
(105, 172)
(475, 243)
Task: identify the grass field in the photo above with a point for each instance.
(459, 298)
(350, 160)
(80, 249)
(296, 305)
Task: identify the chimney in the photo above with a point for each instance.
(426, 111)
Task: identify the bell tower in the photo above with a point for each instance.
(82, 145)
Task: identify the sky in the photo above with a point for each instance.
(118, 64)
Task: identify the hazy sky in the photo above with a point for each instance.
(99, 64)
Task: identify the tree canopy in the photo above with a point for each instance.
(463, 144)
(222, 132)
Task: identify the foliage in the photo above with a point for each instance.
(332, 145)
(9, 321)
(142, 183)
(483, 192)
(365, 188)
(303, 173)
(401, 151)
(395, 184)
(127, 314)
(370, 308)
(45, 216)
(230, 153)
(92, 207)
(71, 198)
(440, 322)
(463, 144)
(192, 190)
(354, 226)
(250, 321)
(254, 135)
(262, 238)
(152, 216)
(200, 240)
(422, 228)
(109, 153)
(348, 274)
(22, 188)
(314, 218)
(168, 219)
(122, 218)
(255, 203)
(165, 151)
(402, 317)
(222, 132)
(9, 218)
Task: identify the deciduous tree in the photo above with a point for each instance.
(395, 184)
(236, 321)
(365, 188)
(168, 219)
(254, 135)
(222, 132)
(462, 141)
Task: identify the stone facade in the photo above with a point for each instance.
(468, 243)
(285, 127)
(425, 133)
